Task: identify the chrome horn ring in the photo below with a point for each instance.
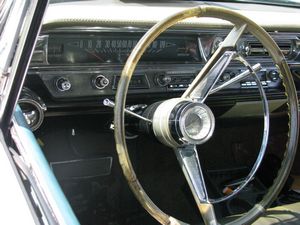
(188, 155)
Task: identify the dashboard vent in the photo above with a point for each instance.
(257, 49)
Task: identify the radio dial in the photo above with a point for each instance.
(163, 80)
(273, 75)
(100, 82)
(63, 84)
(226, 77)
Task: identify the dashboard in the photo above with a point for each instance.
(77, 63)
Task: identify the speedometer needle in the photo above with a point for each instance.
(94, 54)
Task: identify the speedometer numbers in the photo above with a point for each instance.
(67, 49)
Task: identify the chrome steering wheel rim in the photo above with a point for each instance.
(264, 142)
(239, 21)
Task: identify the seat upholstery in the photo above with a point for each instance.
(286, 214)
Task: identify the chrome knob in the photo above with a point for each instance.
(100, 82)
(163, 80)
(63, 84)
(273, 75)
(226, 77)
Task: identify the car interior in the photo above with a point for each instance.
(84, 72)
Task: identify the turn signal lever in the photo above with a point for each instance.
(110, 103)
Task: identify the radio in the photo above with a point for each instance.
(269, 78)
(138, 81)
(174, 81)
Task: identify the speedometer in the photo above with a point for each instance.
(83, 49)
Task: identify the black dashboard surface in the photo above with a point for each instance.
(76, 64)
(79, 56)
(82, 48)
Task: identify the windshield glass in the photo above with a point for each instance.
(267, 2)
(273, 2)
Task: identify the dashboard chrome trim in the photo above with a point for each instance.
(293, 37)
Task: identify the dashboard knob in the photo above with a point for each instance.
(163, 80)
(226, 77)
(63, 84)
(100, 82)
(273, 75)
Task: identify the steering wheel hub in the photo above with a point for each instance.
(179, 122)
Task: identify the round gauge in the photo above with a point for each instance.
(33, 108)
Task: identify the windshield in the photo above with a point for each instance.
(273, 2)
(293, 3)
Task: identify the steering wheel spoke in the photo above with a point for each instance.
(202, 89)
(188, 159)
(232, 38)
(257, 67)
(215, 66)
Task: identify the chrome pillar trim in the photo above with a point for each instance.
(8, 39)
(25, 19)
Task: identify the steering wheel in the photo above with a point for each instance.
(182, 123)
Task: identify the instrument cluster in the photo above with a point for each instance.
(75, 64)
(70, 49)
